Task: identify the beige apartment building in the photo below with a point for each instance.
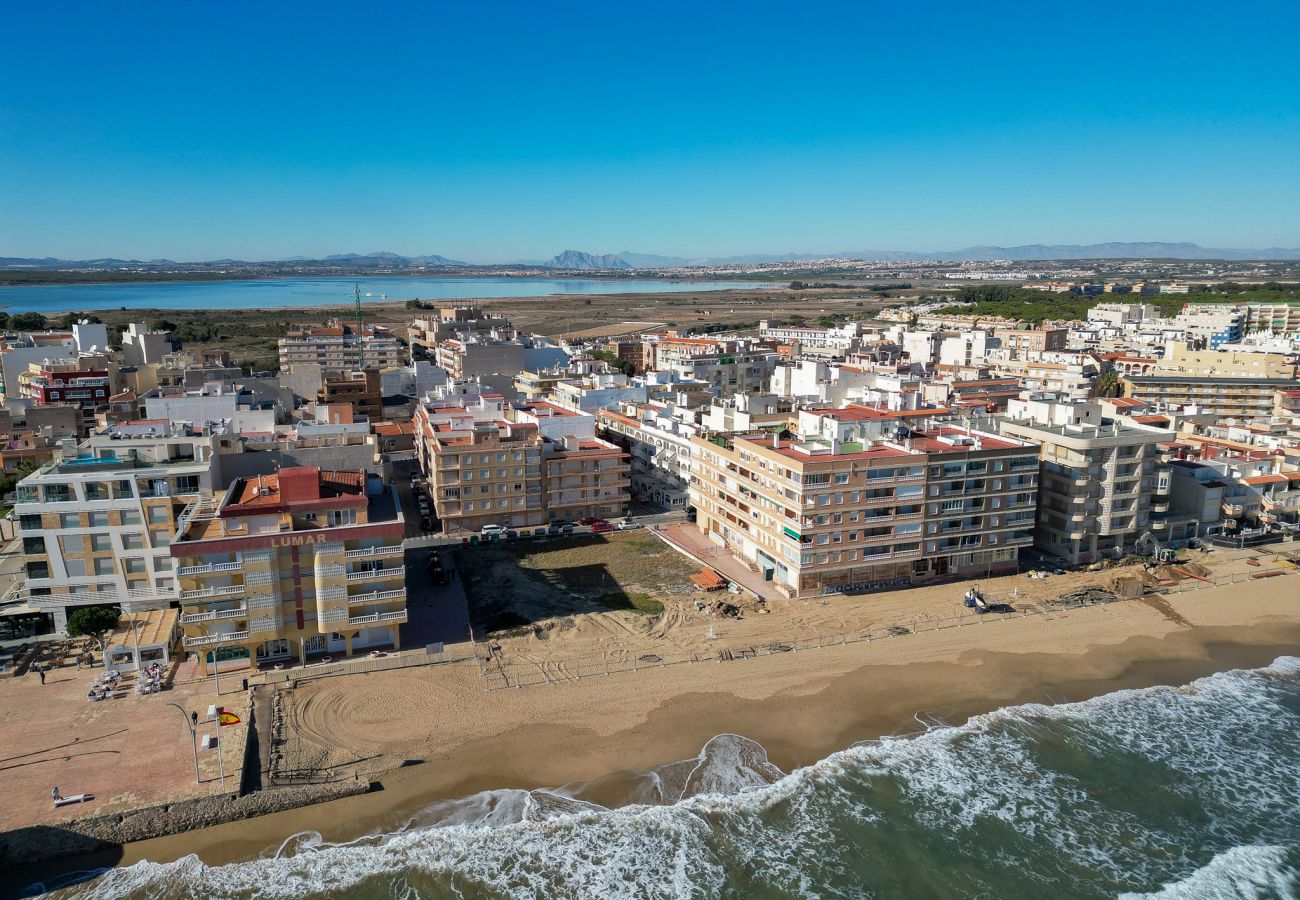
(338, 349)
(818, 516)
(283, 567)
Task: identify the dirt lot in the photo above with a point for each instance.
(538, 587)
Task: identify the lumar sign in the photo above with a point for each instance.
(297, 540)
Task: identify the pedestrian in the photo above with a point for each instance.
(55, 795)
(41, 672)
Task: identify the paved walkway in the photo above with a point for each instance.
(687, 538)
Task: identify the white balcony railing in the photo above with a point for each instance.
(395, 550)
(377, 597)
(212, 616)
(397, 616)
(210, 567)
(368, 574)
(229, 590)
(208, 640)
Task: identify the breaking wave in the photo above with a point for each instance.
(1189, 791)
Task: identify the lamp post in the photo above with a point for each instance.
(191, 723)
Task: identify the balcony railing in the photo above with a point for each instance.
(397, 616)
(210, 567)
(236, 613)
(395, 550)
(208, 640)
(227, 591)
(368, 574)
(377, 597)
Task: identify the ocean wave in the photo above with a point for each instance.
(1247, 872)
(1121, 793)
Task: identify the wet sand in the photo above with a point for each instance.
(800, 706)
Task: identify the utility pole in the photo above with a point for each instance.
(361, 344)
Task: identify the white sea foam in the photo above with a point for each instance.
(730, 811)
(1246, 872)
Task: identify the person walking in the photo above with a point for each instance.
(41, 673)
(55, 795)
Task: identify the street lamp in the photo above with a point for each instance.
(191, 722)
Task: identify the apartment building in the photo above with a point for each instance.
(337, 348)
(141, 346)
(657, 440)
(584, 477)
(96, 526)
(662, 351)
(736, 371)
(819, 516)
(1225, 397)
(595, 391)
(1103, 482)
(481, 468)
(464, 322)
(83, 383)
(1212, 325)
(836, 337)
(303, 563)
(358, 389)
(1018, 342)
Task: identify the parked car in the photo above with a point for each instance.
(488, 530)
(589, 520)
(625, 524)
(601, 526)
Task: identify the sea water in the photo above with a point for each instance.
(287, 292)
(1170, 792)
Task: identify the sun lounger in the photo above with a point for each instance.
(75, 798)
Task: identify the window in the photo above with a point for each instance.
(29, 522)
(104, 565)
(342, 517)
(159, 515)
(69, 520)
(57, 493)
(130, 517)
(96, 491)
(133, 566)
(841, 478)
(33, 545)
(132, 541)
(100, 543)
(38, 569)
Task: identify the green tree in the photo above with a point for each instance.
(162, 325)
(94, 622)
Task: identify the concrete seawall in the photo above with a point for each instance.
(35, 843)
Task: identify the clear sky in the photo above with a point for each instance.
(497, 131)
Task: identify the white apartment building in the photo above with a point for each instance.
(97, 527)
(658, 440)
(1103, 484)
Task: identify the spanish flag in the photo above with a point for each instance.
(227, 718)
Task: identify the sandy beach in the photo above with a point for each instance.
(801, 706)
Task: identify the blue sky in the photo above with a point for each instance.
(496, 131)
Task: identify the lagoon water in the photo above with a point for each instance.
(1169, 792)
(276, 292)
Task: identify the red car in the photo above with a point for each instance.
(600, 526)
(589, 520)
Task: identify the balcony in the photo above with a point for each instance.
(210, 568)
(1233, 509)
(377, 597)
(210, 640)
(369, 574)
(1160, 507)
(371, 552)
(237, 612)
(227, 591)
(396, 617)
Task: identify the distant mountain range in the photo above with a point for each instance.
(578, 260)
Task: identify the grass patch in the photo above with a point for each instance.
(635, 601)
